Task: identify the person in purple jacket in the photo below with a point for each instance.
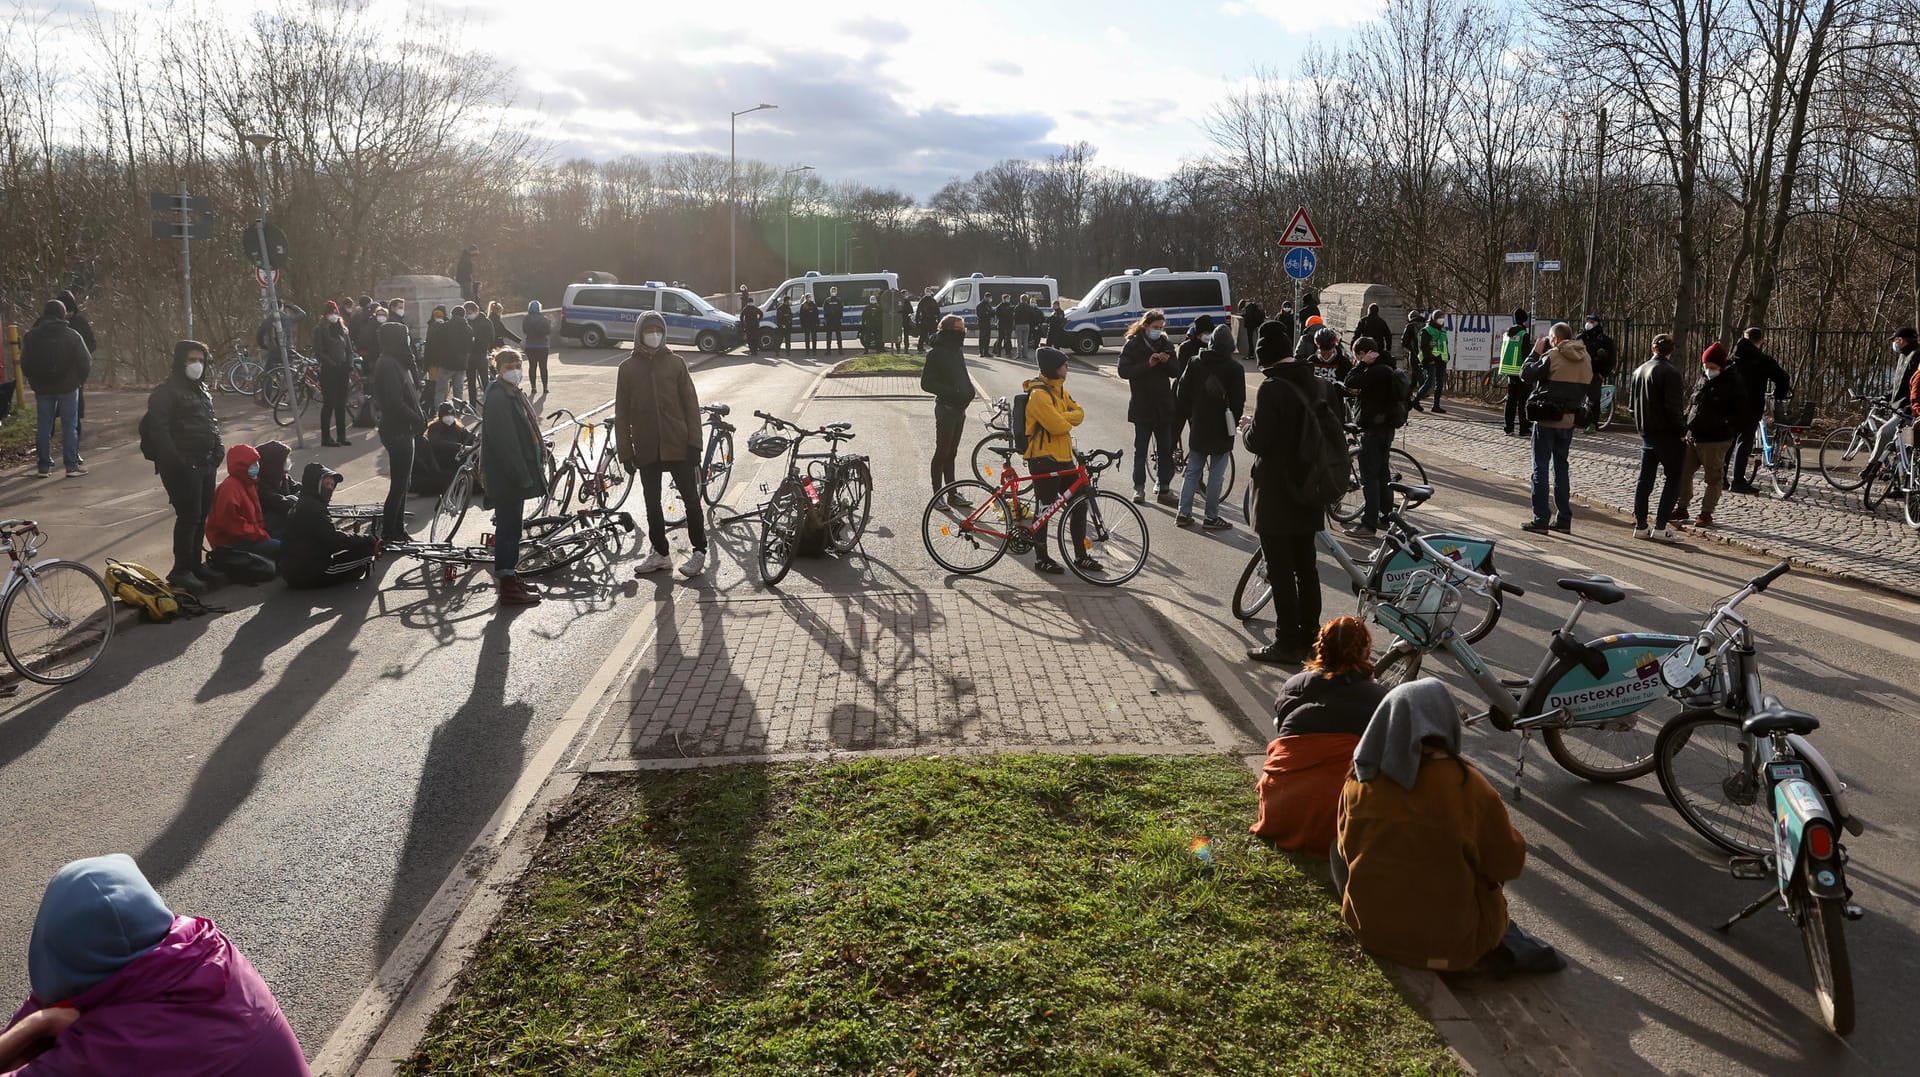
(122, 985)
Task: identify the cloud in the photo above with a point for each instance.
(877, 31)
(1003, 67)
(1301, 16)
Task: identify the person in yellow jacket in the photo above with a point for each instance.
(1051, 416)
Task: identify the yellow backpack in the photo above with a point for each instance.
(138, 586)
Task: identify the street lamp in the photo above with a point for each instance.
(786, 255)
(836, 245)
(270, 294)
(733, 199)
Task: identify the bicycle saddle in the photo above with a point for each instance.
(716, 409)
(1772, 718)
(1412, 491)
(839, 426)
(1005, 452)
(1599, 589)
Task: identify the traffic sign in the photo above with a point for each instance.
(167, 202)
(276, 245)
(267, 277)
(1550, 267)
(177, 230)
(1522, 257)
(1300, 263)
(1300, 231)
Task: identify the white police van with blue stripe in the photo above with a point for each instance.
(855, 290)
(962, 296)
(599, 314)
(1117, 302)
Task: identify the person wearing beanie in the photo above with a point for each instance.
(1198, 336)
(1051, 416)
(333, 349)
(120, 984)
(1252, 317)
(1149, 365)
(1713, 415)
(364, 329)
(1285, 521)
(56, 362)
(1212, 393)
(181, 435)
(1410, 343)
(1515, 346)
(1660, 412)
(945, 377)
(1272, 342)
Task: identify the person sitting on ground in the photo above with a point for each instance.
(275, 487)
(1424, 846)
(1321, 712)
(438, 457)
(235, 521)
(316, 553)
(122, 985)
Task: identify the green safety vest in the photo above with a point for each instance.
(1511, 357)
(1438, 338)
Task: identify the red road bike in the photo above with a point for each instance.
(969, 525)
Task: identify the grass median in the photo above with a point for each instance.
(1017, 915)
(883, 363)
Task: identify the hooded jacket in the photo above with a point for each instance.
(78, 318)
(1211, 420)
(1150, 398)
(235, 517)
(395, 339)
(275, 486)
(657, 409)
(1274, 439)
(180, 425)
(314, 552)
(536, 326)
(1600, 350)
(448, 342)
(1052, 414)
(54, 357)
(1373, 325)
(333, 346)
(945, 374)
(394, 392)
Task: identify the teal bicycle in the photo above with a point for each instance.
(1773, 468)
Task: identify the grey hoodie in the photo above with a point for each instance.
(1412, 716)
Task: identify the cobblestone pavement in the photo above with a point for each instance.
(1819, 526)
(877, 670)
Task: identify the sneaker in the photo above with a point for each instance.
(1183, 521)
(1703, 521)
(42, 474)
(1278, 654)
(1663, 534)
(76, 472)
(1743, 488)
(1215, 523)
(653, 562)
(1047, 565)
(1139, 494)
(695, 564)
(1167, 498)
(1361, 531)
(1086, 563)
(1538, 527)
(1641, 532)
(1438, 410)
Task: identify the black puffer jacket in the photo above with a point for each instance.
(332, 346)
(1274, 438)
(1378, 391)
(397, 341)
(314, 550)
(1150, 398)
(54, 357)
(180, 425)
(1717, 407)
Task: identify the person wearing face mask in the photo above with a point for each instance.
(274, 487)
(1905, 395)
(181, 435)
(1759, 371)
(235, 521)
(833, 310)
(810, 322)
(750, 315)
(1149, 366)
(945, 376)
(1713, 415)
(1376, 388)
(783, 326)
(1433, 359)
(983, 323)
(333, 348)
(1212, 394)
(438, 454)
(510, 468)
(1285, 521)
(401, 422)
(446, 354)
(657, 432)
(483, 343)
(1605, 358)
(539, 330)
(316, 553)
(397, 312)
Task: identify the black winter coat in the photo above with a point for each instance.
(366, 337)
(1274, 438)
(1758, 370)
(483, 342)
(1150, 386)
(313, 544)
(398, 400)
(1717, 407)
(181, 425)
(783, 316)
(395, 340)
(1374, 326)
(1003, 314)
(332, 347)
(834, 310)
(1378, 393)
(1210, 427)
(1659, 399)
(1600, 352)
(447, 345)
(54, 357)
(984, 314)
(945, 375)
(809, 316)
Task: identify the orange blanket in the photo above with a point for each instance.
(1300, 790)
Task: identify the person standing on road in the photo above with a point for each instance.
(539, 332)
(1660, 411)
(1560, 377)
(782, 325)
(235, 520)
(750, 316)
(1514, 349)
(945, 376)
(480, 351)
(1605, 359)
(1309, 338)
(510, 470)
(909, 313)
(809, 322)
(1410, 344)
(1759, 371)
(1329, 356)
(500, 331)
(401, 423)
(1052, 414)
(1714, 414)
(56, 363)
(365, 331)
(1057, 325)
(1026, 325)
(834, 310)
(983, 320)
(446, 354)
(1252, 315)
(657, 430)
(1003, 326)
(1433, 358)
(1286, 320)
(1212, 395)
(929, 315)
(78, 320)
(1198, 334)
(1380, 412)
(1904, 395)
(181, 435)
(1149, 367)
(1289, 401)
(1371, 324)
(333, 350)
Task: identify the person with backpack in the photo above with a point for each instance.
(1433, 358)
(1515, 345)
(333, 349)
(55, 359)
(1300, 447)
(479, 350)
(1048, 421)
(1212, 395)
(235, 521)
(401, 421)
(833, 310)
(181, 435)
(1149, 366)
(1660, 412)
(1719, 400)
(945, 376)
(1384, 395)
(1560, 374)
(539, 330)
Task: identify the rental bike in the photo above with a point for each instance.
(56, 618)
(824, 504)
(996, 520)
(1387, 570)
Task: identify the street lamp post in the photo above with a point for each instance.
(836, 245)
(786, 255)
(270, 293)
(733, 201)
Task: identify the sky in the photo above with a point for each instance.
(908, 100)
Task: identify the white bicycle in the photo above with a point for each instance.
(56, 618)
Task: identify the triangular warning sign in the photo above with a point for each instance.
(1300, 231)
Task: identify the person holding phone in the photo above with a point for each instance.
(1149, 366)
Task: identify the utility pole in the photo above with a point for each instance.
(270, 291)
(733, 203)
(1587, 296)
(786, 249)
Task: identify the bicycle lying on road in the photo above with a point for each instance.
(824, 505)
(57, 616)
(995, 520)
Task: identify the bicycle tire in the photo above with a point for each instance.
(1841, 447)
(1823, 936)
(780, 523)
(986, 463)
(1402, 466)
(1912, 505)
(87, 586)
(1116, 534)
(1779, 478)
(1496, 604)
(1347, 507)
(541, 556)
(1254, 591)
(1607, 408)
(1564, 744)
(541, 504)
(612, 485)
(717, 472)
(1715, 789)
(1880, 485)
(1493, 390)
(245, 377)
(944, 528)
(1400, 664)
(558, 499)
(451, 509)
(851, 509)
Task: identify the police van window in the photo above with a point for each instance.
(958, 293)
(851, 291)
(798, 294)
(1116, 295)
(1192, 292)
(675, 303)
(594, 297)
(1039, 294)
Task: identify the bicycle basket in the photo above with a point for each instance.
(768, 446)
(1800, 419)
(1423, 611)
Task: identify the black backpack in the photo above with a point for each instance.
(1320, 475)
(1402, 398)
(1017, 424)
(147, 447)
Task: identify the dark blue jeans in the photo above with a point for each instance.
(1374, 474)
(1161, 435)
(1658, 453)
(508, 513)
(1551, 445)
(1436, 379)
(66, 407)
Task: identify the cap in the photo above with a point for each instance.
(1715, 355)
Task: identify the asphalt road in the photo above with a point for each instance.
(306, 772)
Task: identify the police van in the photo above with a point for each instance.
(962, 296)
(856, 289)
(1117, 302)
(599, 314)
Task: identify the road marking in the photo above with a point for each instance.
(1805, 664)
(1890, 701)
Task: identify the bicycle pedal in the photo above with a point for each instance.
(1854, 912)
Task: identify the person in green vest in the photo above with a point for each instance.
(1514, 350)
(1433, 358)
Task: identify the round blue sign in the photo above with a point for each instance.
(1300, 262)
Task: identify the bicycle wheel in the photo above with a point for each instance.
(1495, 605)
(1883, 480)
(1608, 398)
(780, 523)
(965, 540)
(611, 484)
(717, 471)
(1705, 763)
(245, 377)
(1912, 502)
(1346, 508)
(1843, 456)
(558, 500)
(986, 462)
(1116, 544)
(1493, 390)
(1780, 475)
(851, 509)
(1399, 665)
(1401, 467)
(1618, 751)
(542, 503)
(1226, 486)
(541, 556)
(451, 510)
(56, 626)
(1823, 923)
(1254, 591)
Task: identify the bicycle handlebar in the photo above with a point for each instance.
(1761, 582)
(1100, 459)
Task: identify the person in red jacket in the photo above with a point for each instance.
(235, 519)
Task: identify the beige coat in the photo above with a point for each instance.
(656, 409)
(1568, 361)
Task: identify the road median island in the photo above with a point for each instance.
(1013, 914)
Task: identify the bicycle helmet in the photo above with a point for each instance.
(1325, 338)
(768, 445)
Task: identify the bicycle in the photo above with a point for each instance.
(1402, 467)
(716, 462)
(289, 406)
(1844, 445)
(999, 436)
(1387, 571)
(1893, 472)
(1116, 543)
(1776, 453)
(593, 472)
(1180, 468)
(56, 618)
(239, 373)
(830, 501)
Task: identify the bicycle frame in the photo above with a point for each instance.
(1011, 481)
